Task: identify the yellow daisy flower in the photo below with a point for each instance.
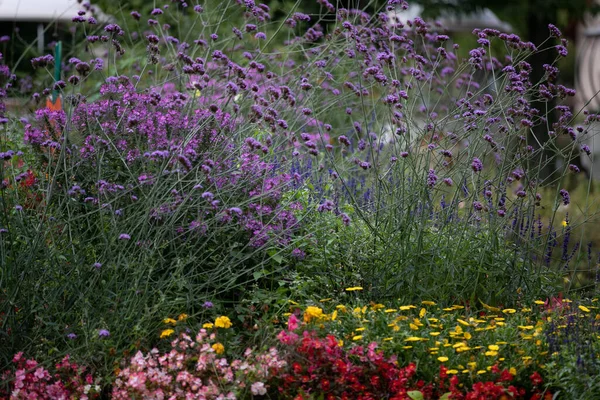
(218, 348)
(166, 333)
(223, 322)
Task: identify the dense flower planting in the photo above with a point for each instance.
(211, 163)
(33, 381)
(345, 354)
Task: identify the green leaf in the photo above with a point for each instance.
(445, 396)
(415, 395)
(257, 275)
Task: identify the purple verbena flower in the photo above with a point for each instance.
(566, 198)
(431, 178)
(554, 31)
(298, 254)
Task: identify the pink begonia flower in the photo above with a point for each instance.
(293, 323)
(137, 380)
(258, 389)
(287, 338)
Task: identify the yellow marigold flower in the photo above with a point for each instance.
(539, 302)
(452, 371)
(467, 335)
(340, 343)
(166, 333)
(584, 309)
(390, 310)
(494, 347)
(442, 359)
(512, 370)
(387, 339)
(218, 348)
(509, 311)
(407, 347)
(354, 288)
(334, 315)
(169, 321)
(414, 339)
(491, 353)
(357, 337)
(435, 333)
(489, 308)
(422, 313)
(208, 325)
(223, 322)
(413, 327)
(182, 317)
(564, 223)
(360, 329)
(428, 303)
(404, 308)
(525, 327)
(463, 322)
(312, 312)
(481, 372)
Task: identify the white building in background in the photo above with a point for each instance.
(45, 13)
(587, 84)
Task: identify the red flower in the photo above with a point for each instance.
(536, 379)
(505, 376)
